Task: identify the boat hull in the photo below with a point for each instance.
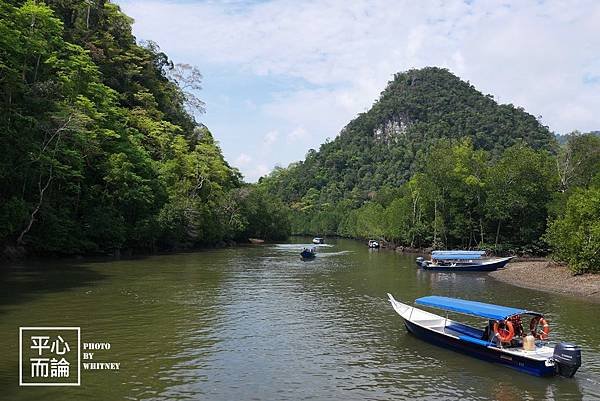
(474, 267)
(307, 255)
(491, 354)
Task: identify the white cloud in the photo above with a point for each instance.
(255, 172)
(270, 138)
(250, 104)
(242, 160)
(534, 54)
(297, 134)
(320, 112)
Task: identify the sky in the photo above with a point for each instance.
(280, 77)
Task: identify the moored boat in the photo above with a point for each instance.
(373, 244)
(503, 340)
(461, 261)
(318, 240)
(308, 253)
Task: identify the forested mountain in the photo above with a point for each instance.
(436, 163)
(385, 146)
(100, 147)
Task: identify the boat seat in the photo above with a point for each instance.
(466, 330)
(475, 340)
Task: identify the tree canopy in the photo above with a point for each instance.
(435, 163)
(100, 143)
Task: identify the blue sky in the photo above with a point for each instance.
(282, 76)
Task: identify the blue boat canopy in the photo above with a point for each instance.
(457, 255)
(488, 311)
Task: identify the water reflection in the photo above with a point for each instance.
(442, 283)
(258, 323)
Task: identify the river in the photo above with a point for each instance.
(257, 323)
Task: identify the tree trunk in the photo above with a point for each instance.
(42, 190)
(8, 119)
(87, 19)
(497, 234)
(37, 66)
(414, 221)
(481, 229)
(434, 222)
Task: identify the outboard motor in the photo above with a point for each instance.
(420, 261)
(567, 359)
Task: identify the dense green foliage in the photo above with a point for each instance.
(576, 234)
(436, 163)
(389, 143)
(100, 147)
(101, 152)
(574, 230)
(462, 197)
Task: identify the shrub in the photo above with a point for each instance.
(575, 236)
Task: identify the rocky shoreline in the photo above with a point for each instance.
(548, 276)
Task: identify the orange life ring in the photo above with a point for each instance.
(506, 333)
(542, 334)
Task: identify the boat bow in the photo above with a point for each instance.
(402, 309)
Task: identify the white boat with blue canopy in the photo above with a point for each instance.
(502, 340)
(461, 260)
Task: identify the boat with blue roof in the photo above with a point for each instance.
(502, 340)
(461, 261)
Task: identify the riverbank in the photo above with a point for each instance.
(13, 254)
(548, 276)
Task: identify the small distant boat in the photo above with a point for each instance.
(308, 253)
(373, 244)
(318, 240)
(503, 340)
(461, 261)
(256, 241)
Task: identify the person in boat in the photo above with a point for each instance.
(517, 326)
(515, 333)
(488, 332)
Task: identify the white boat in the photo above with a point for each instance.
(497, 342)
(373, 244)
(461, 261)
(318, 240)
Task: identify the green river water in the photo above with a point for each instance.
(257, 323)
